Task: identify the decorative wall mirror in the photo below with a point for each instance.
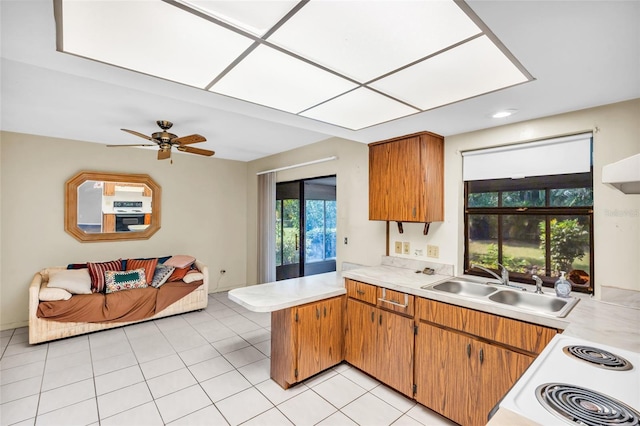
(111, 206)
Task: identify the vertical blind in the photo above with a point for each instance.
(564, 155)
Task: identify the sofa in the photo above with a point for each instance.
(130, 305)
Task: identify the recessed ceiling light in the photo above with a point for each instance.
(504, 113)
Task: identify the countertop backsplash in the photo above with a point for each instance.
(417, 265)
(619, 296)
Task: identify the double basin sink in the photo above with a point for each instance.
(504, 296)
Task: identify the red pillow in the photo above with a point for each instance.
(178, 274)
(97, 270)
(149, 266)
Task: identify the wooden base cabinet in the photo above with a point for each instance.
(381, 344)
(466, 360)
(306, 340)
(461, 377)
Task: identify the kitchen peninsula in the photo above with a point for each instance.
(517, 336)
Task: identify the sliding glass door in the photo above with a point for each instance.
(305, 227)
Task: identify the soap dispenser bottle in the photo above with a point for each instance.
(562, 286)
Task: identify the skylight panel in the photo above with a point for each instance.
(469, 70)
(359, 109)
(272, 78)
(366, 39)
(254, 16)
(151, 37)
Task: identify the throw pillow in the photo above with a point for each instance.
(97, 270)
(193, 275)
(180, 261)
(76, 265)
(149, 266)
(179, 273)
(124, 280)
(50, 294)
(75, 281)
(161, 275)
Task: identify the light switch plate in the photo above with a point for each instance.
(406, 247)
(433, 251)
(398, 247)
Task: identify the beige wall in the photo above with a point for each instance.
(616, 215)
(203, 212)
(209, 205)
(366, 240)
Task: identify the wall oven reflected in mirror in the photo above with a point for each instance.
(111, 206)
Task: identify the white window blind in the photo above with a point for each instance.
(558, 156)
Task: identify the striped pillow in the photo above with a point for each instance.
(149, 266)
(97, 270)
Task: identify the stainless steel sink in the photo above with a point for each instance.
(543, 304)
(463, 288)
(533, 302)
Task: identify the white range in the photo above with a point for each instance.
(578, 382)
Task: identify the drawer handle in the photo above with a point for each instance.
(360, 292)
(468, 350)
(380, 322)
(317, 313)
(325, 311)
(391, 302)
(373, 316)
(481, 356)
(384, 299)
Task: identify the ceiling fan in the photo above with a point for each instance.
(165, 141)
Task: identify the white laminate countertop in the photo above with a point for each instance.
(284, 294)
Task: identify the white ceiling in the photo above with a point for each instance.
(580, 53)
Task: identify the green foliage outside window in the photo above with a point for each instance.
(568, 241)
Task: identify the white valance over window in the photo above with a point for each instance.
(558, 156)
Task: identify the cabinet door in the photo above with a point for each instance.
(442, 371)
(379, 182)
(496, 370)
(405, 181)
(395, 342)
(331, 333)
(308, 345)
(320, 340)
(360, 336)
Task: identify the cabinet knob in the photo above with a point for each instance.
(373, 316)
(468, 350)
(481, 356)
(360, 292)
(317, 313)
(380, 321)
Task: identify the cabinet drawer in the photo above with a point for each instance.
(518, 334)
(361, 291)
(396, 301)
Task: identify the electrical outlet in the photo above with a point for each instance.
(406, 247)
(398, 247)
(433, 251)
(418, 252)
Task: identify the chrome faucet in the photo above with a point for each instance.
(538, 284)
(503, 277)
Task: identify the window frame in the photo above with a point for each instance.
(577, 180)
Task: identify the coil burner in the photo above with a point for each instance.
(585, 407)
(598, 357)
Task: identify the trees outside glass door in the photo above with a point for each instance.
(305, 227)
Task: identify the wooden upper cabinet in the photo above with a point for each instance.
(406, 179)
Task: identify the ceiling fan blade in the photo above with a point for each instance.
(164, 154)
(186, 140)
(133, 132)
(198, 151)
(137, 144)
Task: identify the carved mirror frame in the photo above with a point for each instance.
(71, 206)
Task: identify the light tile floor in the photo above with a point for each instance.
(201, 368)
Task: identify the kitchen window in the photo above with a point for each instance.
(533, 225)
